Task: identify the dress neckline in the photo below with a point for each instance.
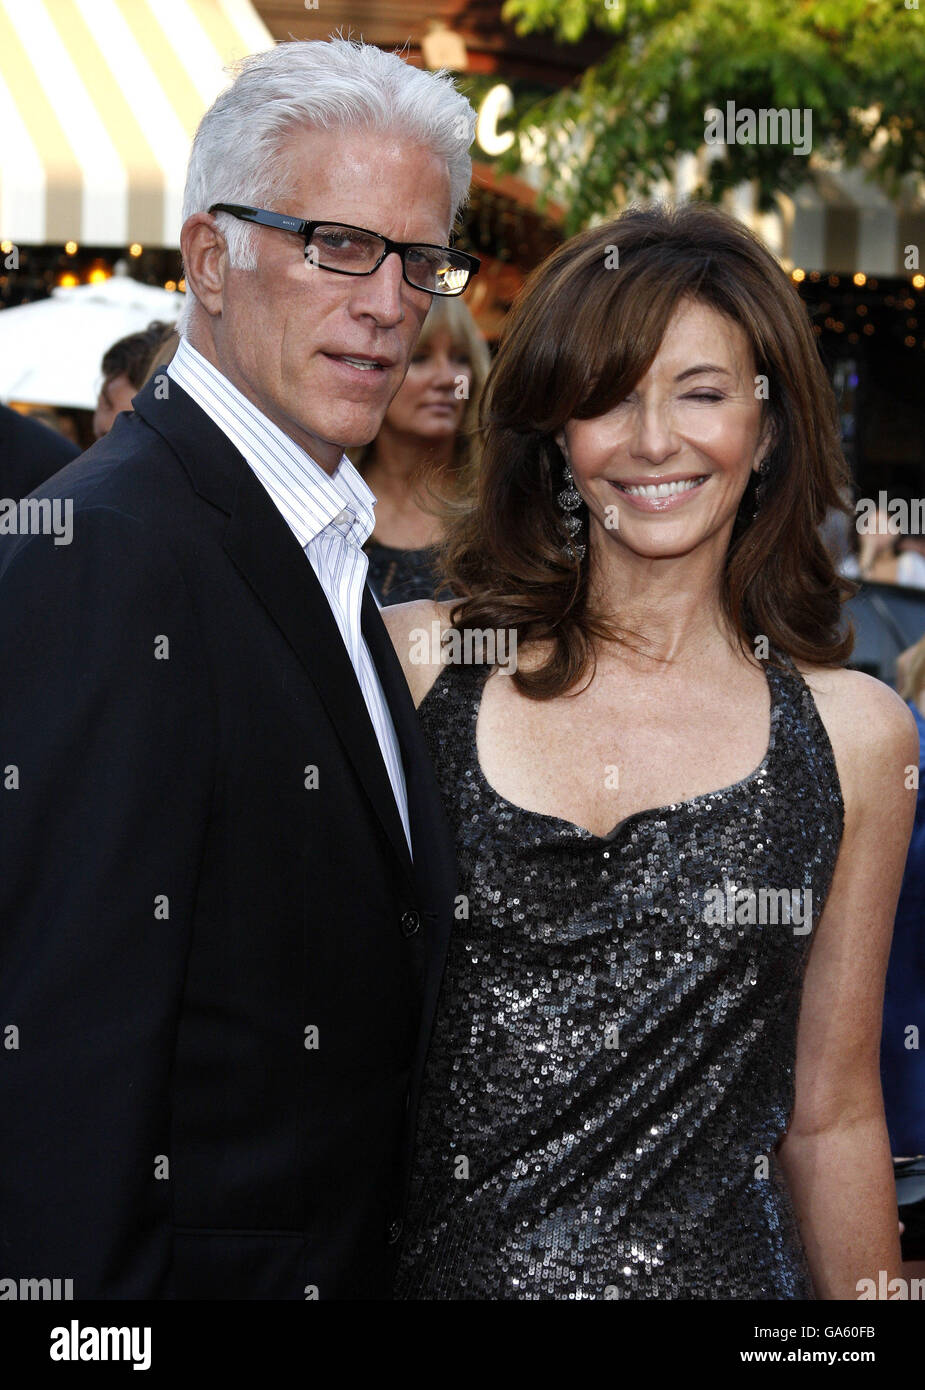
(649, 812)
(373, 544)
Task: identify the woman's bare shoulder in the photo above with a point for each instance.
(416, 629)
(871, 729)
(870, 706)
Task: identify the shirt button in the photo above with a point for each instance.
(394, 1232)
(410, 923)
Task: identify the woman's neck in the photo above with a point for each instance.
(398, 461)
(673, 603)
(398, 474)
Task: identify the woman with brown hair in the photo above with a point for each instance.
(680, 823)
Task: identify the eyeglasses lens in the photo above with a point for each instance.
(341, 248)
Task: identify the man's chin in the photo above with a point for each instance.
(319, 437)
(357, 429)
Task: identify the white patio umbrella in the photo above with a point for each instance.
(50, 351)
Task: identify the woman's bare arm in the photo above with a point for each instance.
(836, 1154)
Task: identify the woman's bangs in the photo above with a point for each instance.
(626, 326)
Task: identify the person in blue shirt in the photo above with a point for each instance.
(902, 1051)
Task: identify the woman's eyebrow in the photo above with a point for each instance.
(702, 367)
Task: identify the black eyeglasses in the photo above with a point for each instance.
(355, 251)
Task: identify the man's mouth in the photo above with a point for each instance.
(364, 364)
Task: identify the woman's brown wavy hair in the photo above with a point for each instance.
(576, 342)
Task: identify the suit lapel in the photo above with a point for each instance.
(431, 839)
(270, 558)
(267, 554)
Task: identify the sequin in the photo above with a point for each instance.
(612, 1065)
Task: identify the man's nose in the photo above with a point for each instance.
(380, 294)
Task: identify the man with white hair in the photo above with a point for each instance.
(225, 880)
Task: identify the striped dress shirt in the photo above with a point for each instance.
(330, 516)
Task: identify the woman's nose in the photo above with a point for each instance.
(653, 437)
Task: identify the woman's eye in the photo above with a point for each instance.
(704, 396)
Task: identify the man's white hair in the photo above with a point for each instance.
(239, 154)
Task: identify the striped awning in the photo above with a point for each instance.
(840, 222)
(99, 100)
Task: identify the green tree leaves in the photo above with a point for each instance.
(857, 65)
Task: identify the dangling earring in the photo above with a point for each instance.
(761, 487)
(570, 500)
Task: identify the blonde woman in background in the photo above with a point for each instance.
(421, 452)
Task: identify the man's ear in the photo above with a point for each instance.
(204, 260)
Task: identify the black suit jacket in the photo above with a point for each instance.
(30, 452)
(221, 976)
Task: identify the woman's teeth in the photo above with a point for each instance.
(662, 489)
(361, 362)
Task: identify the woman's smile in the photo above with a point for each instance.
(661, 494)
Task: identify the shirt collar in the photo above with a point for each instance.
(308, 498)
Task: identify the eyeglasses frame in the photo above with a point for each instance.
(300, 226)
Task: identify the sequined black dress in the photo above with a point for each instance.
(613, 1058)
(400, 576)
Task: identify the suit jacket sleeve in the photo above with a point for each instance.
(105, 760)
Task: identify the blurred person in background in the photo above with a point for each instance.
(902, 1052)
(30, 453)
(887, 557)
(907, 562)
(421, 453)
(163, 353)
(838, 534)
(59, 419)
(125, 370)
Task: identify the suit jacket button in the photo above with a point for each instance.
(395, 1229)
(410, 923)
